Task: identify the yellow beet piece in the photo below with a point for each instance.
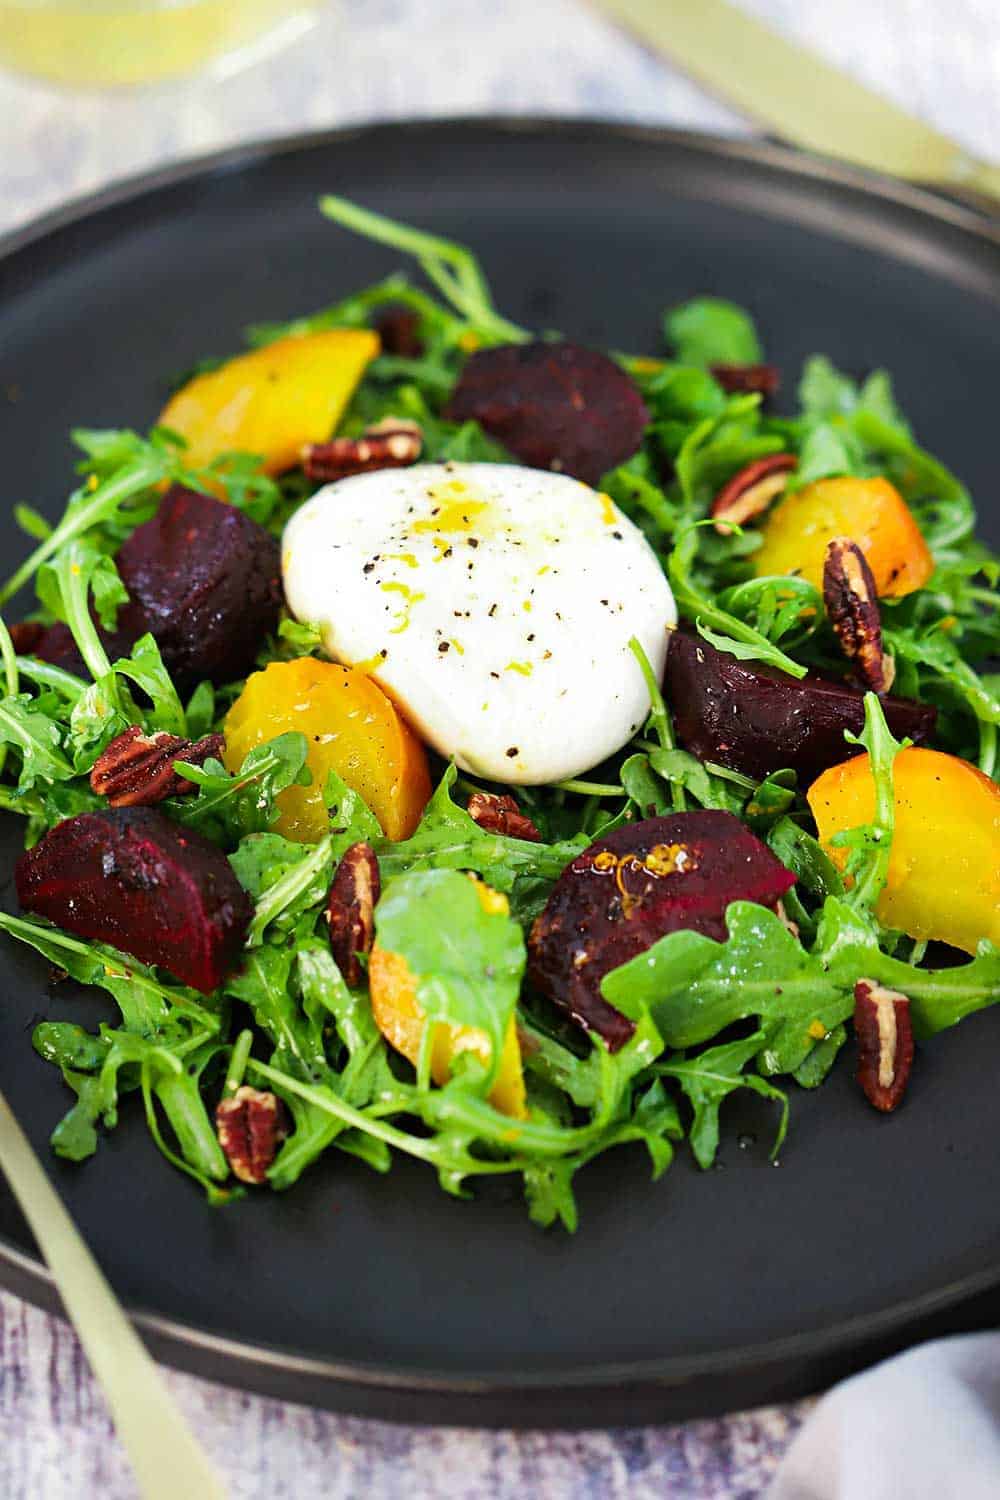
(871, 512)
(274, 400)
(351, 727)
(401, 1021)
(944, 873)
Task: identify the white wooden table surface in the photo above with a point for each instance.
(383, 59)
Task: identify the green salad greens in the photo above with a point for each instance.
(766, 1010)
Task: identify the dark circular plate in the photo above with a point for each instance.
(382, 1295)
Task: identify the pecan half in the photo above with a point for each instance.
(885, 1043)
(751, 490)
(393, 443)
(398, 331)
(745, 380)
(137, 769)
(502, 815)
(851, 601)
(250, 1126)
(350, 910)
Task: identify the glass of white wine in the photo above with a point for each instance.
(108, 43)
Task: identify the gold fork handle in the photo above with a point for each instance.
(167, 1459)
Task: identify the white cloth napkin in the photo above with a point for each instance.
(923, 1426)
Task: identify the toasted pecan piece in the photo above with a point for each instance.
(884, 1034)
(744, 380)
(137, 769)
(393, 443)
(501, 814)
(350, 910)
(751, 491)
(851, 601)
(250, 1126)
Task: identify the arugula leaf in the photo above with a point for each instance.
(302, 884)
(712, 331)
(715, 449)
(75, 1136)
(146, 1003)
(448, 839)
(817, 1064)
(32, 522)
(826, 451)
(227, 807)
(354, 311)
(63, 684)
(824, 392)
(351, 819)
(467, 961)
(64, 587)
(681, 769)
(200, 711)
(245, 484)
(771, 800)
(695, 987)
(264, 985)
(144, 666)
(298, 638)
(870, 847)
(943, 998)
(461, 1122)
(709, 1078)
(696, 606)
(105, 503)
(654, 1122)
(287, 878)
(69, 1046)
(935, 652)
(805, 856)
(38, 738)
(175, 1087)
(680, 394)
(634, 489)
(452, 268)
(647, 792)
(777, 607)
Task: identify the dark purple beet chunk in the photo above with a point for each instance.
(132, 878)
(755, 719)
(615, 900)
(554, 406)
(209, 581)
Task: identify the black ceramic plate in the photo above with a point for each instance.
(382, 1295)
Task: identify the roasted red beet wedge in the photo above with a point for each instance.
(209, 582)
(629, 889)
(132, 878)
(755, 719)
(555, 406)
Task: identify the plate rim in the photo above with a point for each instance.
(248, 1363)
(923, 199)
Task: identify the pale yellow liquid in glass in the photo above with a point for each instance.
(96, 43)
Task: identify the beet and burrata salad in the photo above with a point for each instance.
(445, 739)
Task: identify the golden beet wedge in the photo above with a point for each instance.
(871, 512)
(351, 727)
(273, 401)
(401, 1021)
(944, 873)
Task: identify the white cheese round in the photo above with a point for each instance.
(493, 603)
